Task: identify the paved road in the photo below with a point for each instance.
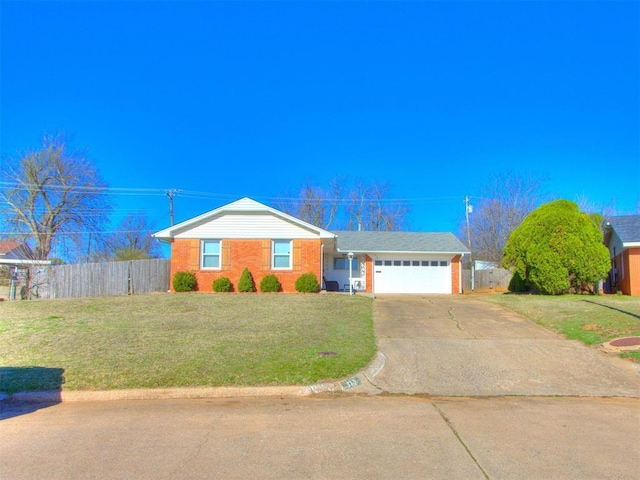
(461, 346)
(367, 437)
(471, 352)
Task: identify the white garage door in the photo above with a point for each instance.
(412, 275)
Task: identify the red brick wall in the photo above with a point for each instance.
(634, 271)
(630, 285)
(368, 261)
(240, 253)
(455, 274)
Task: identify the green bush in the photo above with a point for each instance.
(246, 283)
(184, 282)
(307, 283)
(558, 249)
(270, 283)
(222, 284)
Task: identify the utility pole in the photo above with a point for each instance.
(170, 194)
(467, 210)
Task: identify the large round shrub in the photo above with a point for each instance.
(246, 283)
(184, 282)
(270, 284)
(307, 283)
(222, 284)
(557, 249)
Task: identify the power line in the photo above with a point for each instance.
(194, 194)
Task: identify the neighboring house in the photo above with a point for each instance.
(246, 233)
(16, 258)
(11, 250)
(622, 238)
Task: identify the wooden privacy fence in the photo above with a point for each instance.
(100, 279)
(489, 280)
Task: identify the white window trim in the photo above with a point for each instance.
(202, 267)
(273, 254)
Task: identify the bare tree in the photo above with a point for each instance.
(369, 208)
(506, 200)
(51, 197)
(601, 209)
(131, 240)
(360, 207)
(314, 204)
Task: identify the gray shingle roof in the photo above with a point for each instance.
(397, 242)
(627, 227)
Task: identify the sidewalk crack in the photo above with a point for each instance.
(464, 445)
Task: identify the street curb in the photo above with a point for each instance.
(60, 396)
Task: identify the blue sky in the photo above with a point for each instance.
(233, 99)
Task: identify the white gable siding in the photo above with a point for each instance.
(232, 225)
(615, 243)
(246, 204)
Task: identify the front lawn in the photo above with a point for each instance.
(183, 340)
(589, 318)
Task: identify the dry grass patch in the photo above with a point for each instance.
(185, 340)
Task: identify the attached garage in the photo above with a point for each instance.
(404, 262)
(414, 274)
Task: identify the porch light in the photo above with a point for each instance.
(350, 257)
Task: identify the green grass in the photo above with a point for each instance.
(590, 319)
(183, 340)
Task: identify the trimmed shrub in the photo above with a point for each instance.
(246, 283)
(222, 284)
(307, 283)
(184, 282)
(270, 284)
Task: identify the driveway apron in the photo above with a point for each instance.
(462, 346)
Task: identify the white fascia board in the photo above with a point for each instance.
(631, 245)
(401, 252)
(168, 233)
(240, 206)
(20, 261)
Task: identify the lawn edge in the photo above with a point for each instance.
(363, 385)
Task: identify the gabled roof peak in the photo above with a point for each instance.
(244, 204)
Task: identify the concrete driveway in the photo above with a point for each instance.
(462, 346)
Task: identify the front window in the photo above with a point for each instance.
(281, 254)
(210, 254)
(342, 263)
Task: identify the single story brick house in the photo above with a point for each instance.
(622, 238)
(246, 233)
